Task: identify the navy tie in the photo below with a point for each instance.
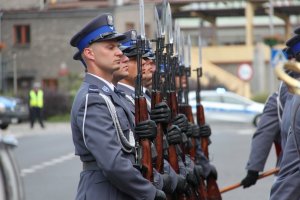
(119, 92)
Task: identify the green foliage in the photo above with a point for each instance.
(262, 97)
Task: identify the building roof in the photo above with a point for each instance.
(235, 9)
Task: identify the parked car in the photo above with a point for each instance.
(11, 184)
(12, 110)
(221, 105)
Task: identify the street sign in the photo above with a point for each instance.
(245, 72)
(277, 56)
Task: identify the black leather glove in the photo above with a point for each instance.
(205, 130)
(189, 131)
(181, 121)
(198, 171)
(250, 179)
(167, 183)
(182, 185)
(146, 129)
(174, 135)
(213, 172)
(191, 179)
(160, 195)
(161, 113)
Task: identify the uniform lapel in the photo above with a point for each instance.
(129, 94)
(105, 89)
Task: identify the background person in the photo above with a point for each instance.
(36, 104)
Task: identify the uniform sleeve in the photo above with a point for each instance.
(101, 140)
(267, 131)
(157, 179)
(169, 170)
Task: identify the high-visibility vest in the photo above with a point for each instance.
(36, 98)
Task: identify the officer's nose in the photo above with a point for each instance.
(119, 52)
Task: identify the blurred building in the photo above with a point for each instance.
(36, 35)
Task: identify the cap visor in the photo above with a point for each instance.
(124, 48)
(116, 37)
(77, 56)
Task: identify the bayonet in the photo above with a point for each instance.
(200, 51)
(182, 53)
(163, 17)
(158, 24)
(188, 51)
(142, 19)
(169, 24)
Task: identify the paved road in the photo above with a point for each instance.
(51, 171)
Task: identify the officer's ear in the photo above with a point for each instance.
(88, 54)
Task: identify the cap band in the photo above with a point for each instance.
(98, 33)
(296, 48)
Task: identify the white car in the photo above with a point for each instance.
(222, 105)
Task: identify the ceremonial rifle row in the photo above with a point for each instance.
(169, 66)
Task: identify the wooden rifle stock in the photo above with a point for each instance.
(173, 160)
(213, 191)
(201, 122)
(141, 114)
(159, 165)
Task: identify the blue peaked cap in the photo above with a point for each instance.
(129, 41)
(129, 48)
(99, 29)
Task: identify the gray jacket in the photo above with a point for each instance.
(286, 186)
(267, 132)
(95, 139)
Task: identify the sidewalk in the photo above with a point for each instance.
(23, 129)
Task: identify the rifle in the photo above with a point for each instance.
(213, 191)
(141, 112)
(157, 95)
(262, 175)
(186, 109)
(169, 84)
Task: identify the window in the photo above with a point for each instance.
(211, 98)
(21, 34)
(233, 100)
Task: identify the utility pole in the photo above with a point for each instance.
(15, 76)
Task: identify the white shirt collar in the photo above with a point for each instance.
(128, 86)
(110, 85)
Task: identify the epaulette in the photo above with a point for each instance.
(93, 89)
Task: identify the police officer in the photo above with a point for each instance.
(101, 124)
(271, 129)
(286, 186)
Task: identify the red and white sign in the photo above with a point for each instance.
(245, 72)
